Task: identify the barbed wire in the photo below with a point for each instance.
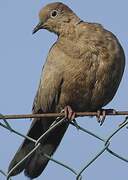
(78, 175)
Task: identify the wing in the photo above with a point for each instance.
(48, 92)
(45, 100)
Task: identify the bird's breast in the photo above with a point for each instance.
(91, 75)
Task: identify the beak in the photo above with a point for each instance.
(37, 28)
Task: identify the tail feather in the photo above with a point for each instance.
(36, 163)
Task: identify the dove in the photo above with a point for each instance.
(82, 72)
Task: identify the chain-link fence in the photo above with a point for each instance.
(104, 142)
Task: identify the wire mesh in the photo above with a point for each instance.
(78, 174)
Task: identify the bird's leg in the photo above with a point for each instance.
(69, 113)
(101, 114)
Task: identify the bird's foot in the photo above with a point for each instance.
(69, 116)
(69, 113)
(101, 115)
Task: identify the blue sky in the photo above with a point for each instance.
(21, 58)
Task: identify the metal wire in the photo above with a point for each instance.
(61, 115)
(78, 174)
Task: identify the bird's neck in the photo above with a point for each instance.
(68, 30)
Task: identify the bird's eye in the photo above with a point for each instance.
(54, 13)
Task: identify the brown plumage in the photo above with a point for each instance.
(83, 70)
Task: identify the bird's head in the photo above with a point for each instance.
(54, 17)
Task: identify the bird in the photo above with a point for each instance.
(82, 72)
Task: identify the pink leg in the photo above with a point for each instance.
(69, 113)
(101, 115)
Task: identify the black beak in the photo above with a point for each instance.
(37, 28)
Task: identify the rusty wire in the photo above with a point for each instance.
(78, 174)
(78, 114)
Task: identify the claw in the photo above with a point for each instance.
(101, 115)
(69, 113)
(98, 116)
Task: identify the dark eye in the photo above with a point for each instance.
(54, 13)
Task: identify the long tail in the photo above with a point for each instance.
(36, 163)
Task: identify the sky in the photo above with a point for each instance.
(21, 58)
